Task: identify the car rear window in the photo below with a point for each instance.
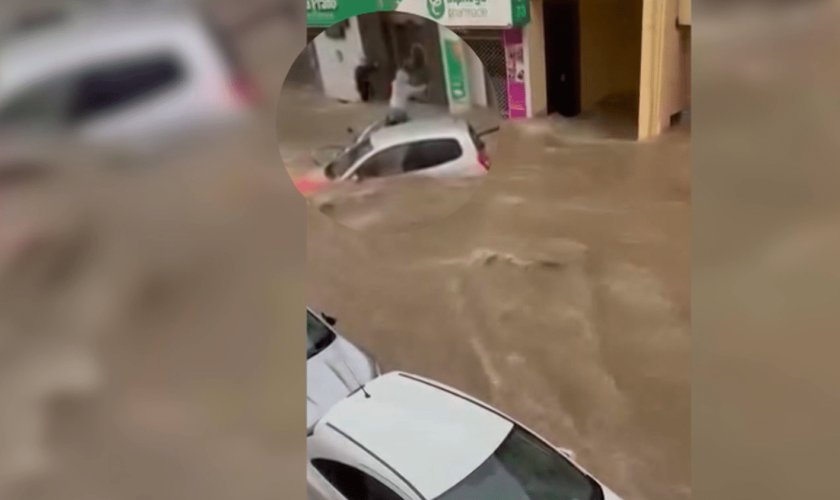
(105, 88)
(431, 153)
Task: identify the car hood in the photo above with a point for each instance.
(609, 494)
(332, 375)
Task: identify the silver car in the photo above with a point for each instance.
(335, 368)
(136, 76)
(438, 147)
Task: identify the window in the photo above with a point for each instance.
(384, 163)
(318, 336)
(105, 88)
(43, 105)
(353, 483)
(427, 154)
(525, 468)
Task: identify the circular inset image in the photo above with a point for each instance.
(387, 123)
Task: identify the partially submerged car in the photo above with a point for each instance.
(403, 437)
(335, 367)
(431, 147)
(140, 75)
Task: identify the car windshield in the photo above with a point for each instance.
(318, 336)
(525, 468)
(342, 164)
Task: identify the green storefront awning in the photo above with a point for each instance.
(455, 13)
(325, 13)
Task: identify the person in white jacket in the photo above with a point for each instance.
(401, 91)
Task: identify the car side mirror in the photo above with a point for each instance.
(567, 453)
(329, 319)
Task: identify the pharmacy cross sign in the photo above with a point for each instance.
(469, 13)
(436, 8)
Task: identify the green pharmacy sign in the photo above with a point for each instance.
(520, 12)
(325, 13)
(436, 8)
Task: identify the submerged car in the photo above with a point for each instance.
(430, 147)
(138, 76)
(403, 437)
(335, 367)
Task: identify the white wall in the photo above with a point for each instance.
(533, 38)
(337, 61)
(478, 83)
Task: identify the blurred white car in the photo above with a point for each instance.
(335, 368)
(403, 437)
(137, 76)
(430, 147)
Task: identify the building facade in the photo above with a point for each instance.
(491, 73)
(544, 57)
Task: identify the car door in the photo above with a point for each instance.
(385, 163)
(352, 483)
(442, 157)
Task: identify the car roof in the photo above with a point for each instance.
(418, 129)
(429, 434)
(88, 39)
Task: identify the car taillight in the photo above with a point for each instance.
(244, 90)
(483, 159)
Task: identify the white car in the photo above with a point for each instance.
(335, 368)
(135, 76)
(403, 437)
(438, 147)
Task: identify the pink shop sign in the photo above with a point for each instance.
(515, 62)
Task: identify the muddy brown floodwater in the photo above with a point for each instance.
(559, 293)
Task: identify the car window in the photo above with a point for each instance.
(384, 163)
(525, 468)
(353, 483)
(318, 336)
(42, 105)
(431, 153)
(105, 88)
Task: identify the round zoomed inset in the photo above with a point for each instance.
(388, 123)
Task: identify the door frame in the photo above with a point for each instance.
(654, 24)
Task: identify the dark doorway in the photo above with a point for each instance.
(562, 56)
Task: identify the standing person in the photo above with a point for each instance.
(363, 73)
(401, 91)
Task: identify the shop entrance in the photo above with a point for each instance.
(562, 56)
(417, 41)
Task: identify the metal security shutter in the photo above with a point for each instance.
(489, 47)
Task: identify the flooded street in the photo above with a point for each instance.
(559, 293)
(149, 317)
